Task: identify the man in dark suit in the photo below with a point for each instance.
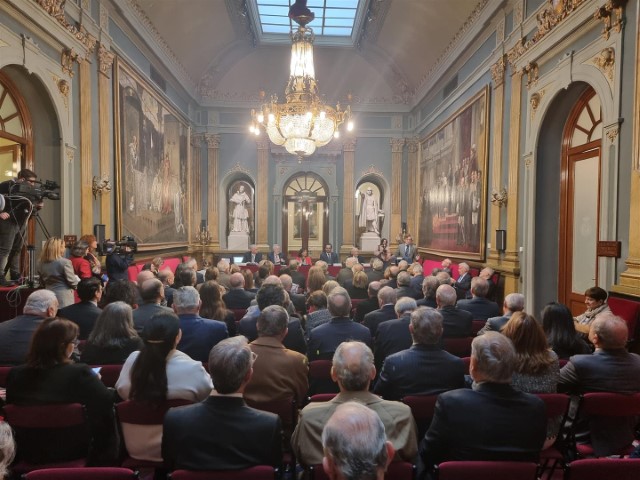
(609, 369)
(392, 281)
(404, 287)
(86, 311)
(386, 300)
(237, 297)
(298, 300)
(370, 304)
(199, 335)
(152, 294)
(15, 334)
(487, 274)
(407, 250)
(325, 338)
(273, 294)
(478, 305)
(222, 432)
(456, 322)
(514, 302)
(193, 264)
(329, 255)
(463, 283)
(423, 368)
(166, 276)
(253, 255)
(393, 335)
(376, 273)
(276, 256)
(355, 254)
(346, 273)
(492, 421)
(417, 279)
(430, 285)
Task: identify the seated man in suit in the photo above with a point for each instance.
(355, 444)
(430, 285)
(325, 338)
(478, 305)
(15, 334)
(329, 256)
(491, 421)
(407, 250)
(86, 311)
(609, 369)
(386, 300)
(463, 283)
(514, 302)
(456, 322)
(166, 276)
(370, 304)
(199, 335)
(276, 256)
(278, 372)
(487, 274)
(253, 255)
(353, 371)
(393, 335)
(152, 296)
(222, 432)
(355, 254)
(417, 277)
(237, 297)
(424, 368)
(404, 288)
(346, 272)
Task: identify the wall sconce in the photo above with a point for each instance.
(501, 240)
(499, 198)
(100, 185)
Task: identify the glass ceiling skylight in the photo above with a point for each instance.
(333, 18)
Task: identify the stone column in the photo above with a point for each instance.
(348, 231)
(497, 75)
(196, 175)
(629, 281)
(213, 150)
(262, 196)
(395, 224)
(86, 167)
(413, 199)
(105, 59)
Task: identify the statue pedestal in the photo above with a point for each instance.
(369, 241)
(238, 241)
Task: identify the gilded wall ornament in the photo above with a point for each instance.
(531, 70)
(607, 12)
(55, 8)
(397, 144)
(196, 140)
(213, 141)
(239, 168)
(63, 88)
(371, 170)
(105, 59)
(605, 61)
(497, 71)
(413, 144)
(70, 153)
(499, 199)
(612, 134)
(67, 58)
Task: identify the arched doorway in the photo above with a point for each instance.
(580, 201)
(304, 223)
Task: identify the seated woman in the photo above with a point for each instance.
(56, 272)
(358, 288)
(158, 373)
(113, 337)
(595, 298)
(51, 377)
(213, 306)
(559, 328)
(317, 312)
(303, 257)
(248, 280)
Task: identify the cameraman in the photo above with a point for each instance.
(119, 257)
(13, 222)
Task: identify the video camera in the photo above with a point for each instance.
(36, 193)
(119, 247)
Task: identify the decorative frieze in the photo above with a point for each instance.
(497, 71)
(55, 8)
(531, 71)
(67, 58)
(607, 12)
(105, 60)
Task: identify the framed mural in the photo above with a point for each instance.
(453, 183)
(152, 163)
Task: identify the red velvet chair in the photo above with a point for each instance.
(487, 470)
(322, 397)
(458, 346)
(557, 406)
(260, 472)
(476, 326)
(109, 374)
(92, 473)
(320, 378)
(604, 468)
(4, 375)
(422, 408)
(467, 363)
(395, 471)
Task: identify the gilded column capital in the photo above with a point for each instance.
(196, 140)
(349, 144)
(213, 141)
(497, 71)
(105, 60)
(531, 71)
(413, 144)
(397, 144)
(67, 57)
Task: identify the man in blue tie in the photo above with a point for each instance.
(406, 250)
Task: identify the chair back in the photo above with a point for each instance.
(395, 471)
(38, 428)
(94, 473)
(238, 313)
(599, 468)
(320, 378)
(322, 397)
(610, 404)
(485, 470)
(260, 472)
(458, 346)
(556, 404)
(286, 409)
(467, 363)
(476, 326)
(422, 408)
(143, 413)
(109, 374)
(4, 375)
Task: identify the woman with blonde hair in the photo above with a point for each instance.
(56, 272)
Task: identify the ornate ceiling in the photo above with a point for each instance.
(401, 42)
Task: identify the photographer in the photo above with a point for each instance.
(119, 257)
(13, 222)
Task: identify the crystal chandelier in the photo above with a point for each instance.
(303, 122)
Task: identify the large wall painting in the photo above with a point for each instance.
(453, 183)
(152, 164)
